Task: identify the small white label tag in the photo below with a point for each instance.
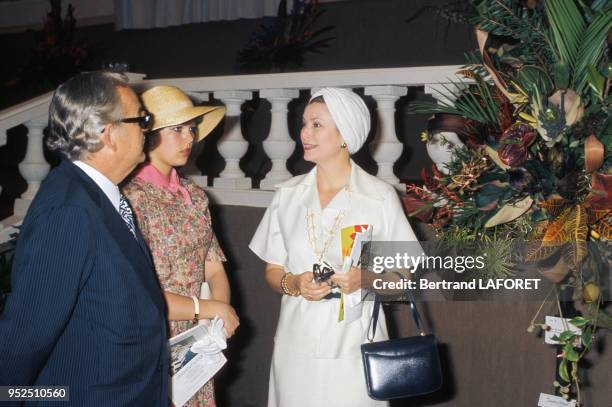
(548, 400)
(557, 326)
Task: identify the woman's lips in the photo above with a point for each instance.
(309, 146)
(186, 151)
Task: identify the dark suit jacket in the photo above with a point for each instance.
(85, 309)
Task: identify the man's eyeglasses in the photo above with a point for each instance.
(145, 121)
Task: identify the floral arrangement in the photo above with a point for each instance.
(57, 54)
(533, 112)
(282, 41)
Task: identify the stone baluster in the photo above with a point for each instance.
(34, 168)
(386, 148)
(232, 145)
(278, 145)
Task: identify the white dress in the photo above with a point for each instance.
(316, 359)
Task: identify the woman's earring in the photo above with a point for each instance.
(343, 145)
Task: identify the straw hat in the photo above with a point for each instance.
(171, 106)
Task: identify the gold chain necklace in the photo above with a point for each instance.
(311, 230)
(310, 227)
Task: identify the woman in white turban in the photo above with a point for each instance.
(317, 359)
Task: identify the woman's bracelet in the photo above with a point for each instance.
(285, 286)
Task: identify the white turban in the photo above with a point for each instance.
(350, 114)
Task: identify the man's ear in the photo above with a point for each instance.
(108, 136)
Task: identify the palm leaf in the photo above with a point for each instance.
(567, 28)
(592, 49)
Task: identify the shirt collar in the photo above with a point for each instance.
(106, 185)
(149, 173)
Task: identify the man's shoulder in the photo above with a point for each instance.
(63, 187)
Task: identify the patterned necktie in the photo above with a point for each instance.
(126, 214)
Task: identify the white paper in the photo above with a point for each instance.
(548, 400)
(557, 326)
(353, 305)
(190, 371)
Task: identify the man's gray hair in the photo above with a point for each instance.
(79, 110)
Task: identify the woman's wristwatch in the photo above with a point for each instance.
(285, 286)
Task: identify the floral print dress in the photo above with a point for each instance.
(181, 239)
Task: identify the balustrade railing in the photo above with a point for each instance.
(232, 186)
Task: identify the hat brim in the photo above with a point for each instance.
(211, 117)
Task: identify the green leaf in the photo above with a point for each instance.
(563, 373)
(567, 28)
(591, 52)
(597, 82)
(530, 76)
(570, 354)
(566, 336)
(561, 73)
(579, 322)
(587, 337)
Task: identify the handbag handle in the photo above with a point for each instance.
(416, 317)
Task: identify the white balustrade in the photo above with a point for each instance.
(278, 146)
(386, 148)
(232, 145)
(34, 168)
(385, 85)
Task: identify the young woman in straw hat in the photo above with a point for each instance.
(317, 359)
(173, 216)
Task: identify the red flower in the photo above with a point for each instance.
(514, 144)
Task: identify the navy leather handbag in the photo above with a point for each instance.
(402, 367)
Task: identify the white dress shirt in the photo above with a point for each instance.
(106, 185)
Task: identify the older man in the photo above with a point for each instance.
(85, 308)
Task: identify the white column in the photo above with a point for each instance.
(34, 168)
(278, 146)
(232, 145)
(190, 169)
(386, 148)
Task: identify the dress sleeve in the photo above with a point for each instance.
(268, 242)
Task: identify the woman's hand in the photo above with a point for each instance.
(212, 308)
(309, 290)
(348, 282)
